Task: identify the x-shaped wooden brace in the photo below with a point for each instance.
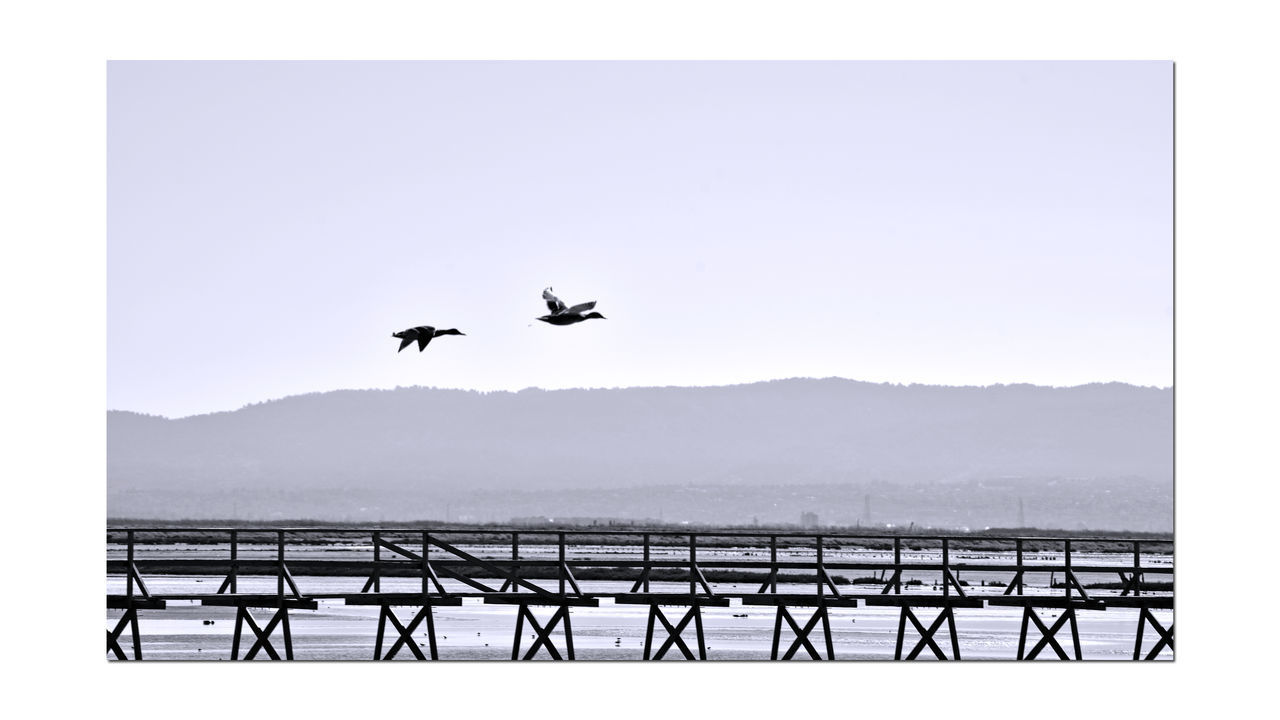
(1131, 582)
(263, 635)
(406, 633)
(674, 632)
(802, 634)
(1166, 636)
(130, 620)
(543, 633)
(1049, 634)
(926, 634)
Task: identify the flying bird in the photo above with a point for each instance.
(562, 315)
(423, 334)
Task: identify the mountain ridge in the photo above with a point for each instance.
(416, 447)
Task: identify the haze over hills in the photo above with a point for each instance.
(1098, 456)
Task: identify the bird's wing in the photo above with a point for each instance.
(423, 339)
(553, 302)
(582, 308)
(405, 343)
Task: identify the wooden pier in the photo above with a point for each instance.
(493, 566)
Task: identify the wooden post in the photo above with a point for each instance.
(1137, 569)
(693, 559)
(820, 569)
(562, 565)
(897, 578)
(377, 561)
(646, 577)
(280, 566)
(773, 563)
(425, 572)
(1019, 579)
(128, 571)
(1067, 575)
(235, 565)
(946, 562)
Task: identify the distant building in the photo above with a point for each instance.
(808, 519)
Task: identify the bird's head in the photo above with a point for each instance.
(594, 315)
(450, 331)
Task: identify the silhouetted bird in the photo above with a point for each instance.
(561, 315)
(423, 334)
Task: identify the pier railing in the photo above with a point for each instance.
(470, 557)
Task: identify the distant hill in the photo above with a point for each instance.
(414, 447)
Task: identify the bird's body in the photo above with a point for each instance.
(569, 318)
(422, 334)
(563, 315)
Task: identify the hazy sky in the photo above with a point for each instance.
(271, 224)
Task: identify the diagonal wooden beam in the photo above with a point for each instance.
(568, 573)
(826, 579)
(893, 579)
(644, 575)
(1013, 584)
(768, 581)
(1073, 581)
(397, 549)
(129, 619)
(1131, 582)
(113, 645)
(1164, 640)
(1166, 636)
(484, 564)
(288, 577)
(137, 577)
(702, 579)
(450, 572)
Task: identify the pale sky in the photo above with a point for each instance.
(271, 224)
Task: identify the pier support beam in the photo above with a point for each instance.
(947, 616)
(675, 633)
(130, 620)
(802, 633)
(262, 635)
(1048, 635)
(1166, 636)
(406, 633)
(542, 633)
(424, 602)
(280, 604)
